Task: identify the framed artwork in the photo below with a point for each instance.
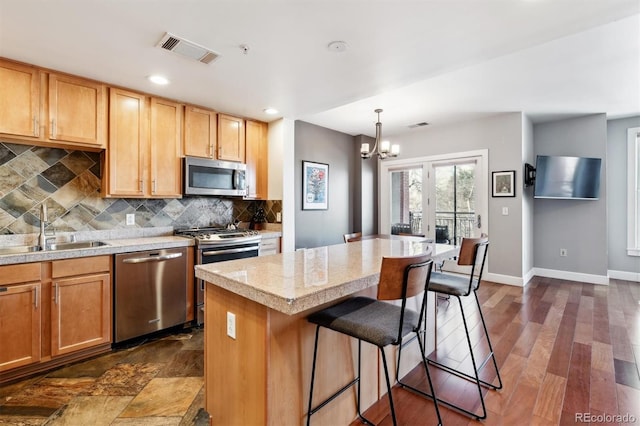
(315, 186)
(504, 184)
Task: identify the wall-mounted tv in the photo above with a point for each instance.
(567, 177)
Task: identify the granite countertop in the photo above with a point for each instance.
(298, 281)
(114, 246)
(118, 241)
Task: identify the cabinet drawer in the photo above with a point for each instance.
(22, 273)
(269, 246)
(81, 266)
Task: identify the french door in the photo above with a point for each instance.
(441, 197)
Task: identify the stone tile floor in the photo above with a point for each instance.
(155, 382)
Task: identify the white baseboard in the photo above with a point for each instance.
(625, 275)
(571, 276)
(503, 279)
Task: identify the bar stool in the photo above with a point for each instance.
(349, 237)
(378, 322)
(473, 252)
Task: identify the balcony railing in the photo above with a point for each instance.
(451, 227)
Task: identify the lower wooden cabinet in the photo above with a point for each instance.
(53, 312)
(81, 313)
(19, 324)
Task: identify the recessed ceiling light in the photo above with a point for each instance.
(270, 111)
(337, 46)
(158, 79)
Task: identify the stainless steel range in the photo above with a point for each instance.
(218, 245)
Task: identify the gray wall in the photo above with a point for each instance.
(528, 156)
(365, 198)
(502, 136)
(315, 228)
(617, 195)
(577, 225)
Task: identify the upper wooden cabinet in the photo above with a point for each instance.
(200, 132)
(143, 157)
(19, 100)
(230, 138)
(257, 160)
(77, 110)
(166, 141)
(73, 111)
(128, 142)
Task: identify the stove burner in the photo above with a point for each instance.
(218, 235)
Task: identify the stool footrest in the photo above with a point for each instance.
(465, 375)
(335, 395)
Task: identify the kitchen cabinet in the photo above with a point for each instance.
(19, 100)
(200, 127)
(77, 110)
(166, 153)
(231, 138)
(269, 245)
(256, 151)
(81, 305)
(143, 156)
(72, 111)
(20, 315)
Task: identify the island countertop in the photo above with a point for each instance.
(297, 281)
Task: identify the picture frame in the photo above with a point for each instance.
(503, 183)
(315, 186)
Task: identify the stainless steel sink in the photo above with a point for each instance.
(18, 249)
(76, 245)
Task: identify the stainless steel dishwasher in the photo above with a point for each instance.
(150, 292)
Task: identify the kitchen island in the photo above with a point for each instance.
(259, 346)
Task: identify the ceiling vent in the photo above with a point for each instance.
(187, 48)
(421, 124)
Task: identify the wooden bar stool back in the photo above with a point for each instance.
(379, 322)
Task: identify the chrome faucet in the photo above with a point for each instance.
(42, 239)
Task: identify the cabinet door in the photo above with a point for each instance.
(256, 160)
(77, 110)
(80, 313)
(166, 138)
(19, 100)
(199, 132)
(230, 138)
(19, 325)
(128, 134)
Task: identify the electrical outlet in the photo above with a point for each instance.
(231, 325)
(131, 219)
(279, 217)
(563, 252)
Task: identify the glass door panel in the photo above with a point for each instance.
(406, 201)
(455, 201)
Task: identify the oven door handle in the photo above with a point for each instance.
(227, 251)
(152, 259)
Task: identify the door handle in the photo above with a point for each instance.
(479, 222)
(152, 259)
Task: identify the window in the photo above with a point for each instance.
(633, 192)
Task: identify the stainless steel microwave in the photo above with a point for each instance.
(212, 177)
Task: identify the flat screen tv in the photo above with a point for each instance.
(567, 177)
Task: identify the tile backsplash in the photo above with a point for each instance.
(68, 181)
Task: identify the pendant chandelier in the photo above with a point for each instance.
(383, 149)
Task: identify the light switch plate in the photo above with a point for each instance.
(505, 211)
(131, 219)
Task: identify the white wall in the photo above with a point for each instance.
(529, 157)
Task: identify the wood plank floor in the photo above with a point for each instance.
(568, 352)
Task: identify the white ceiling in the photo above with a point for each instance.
(435, 61)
